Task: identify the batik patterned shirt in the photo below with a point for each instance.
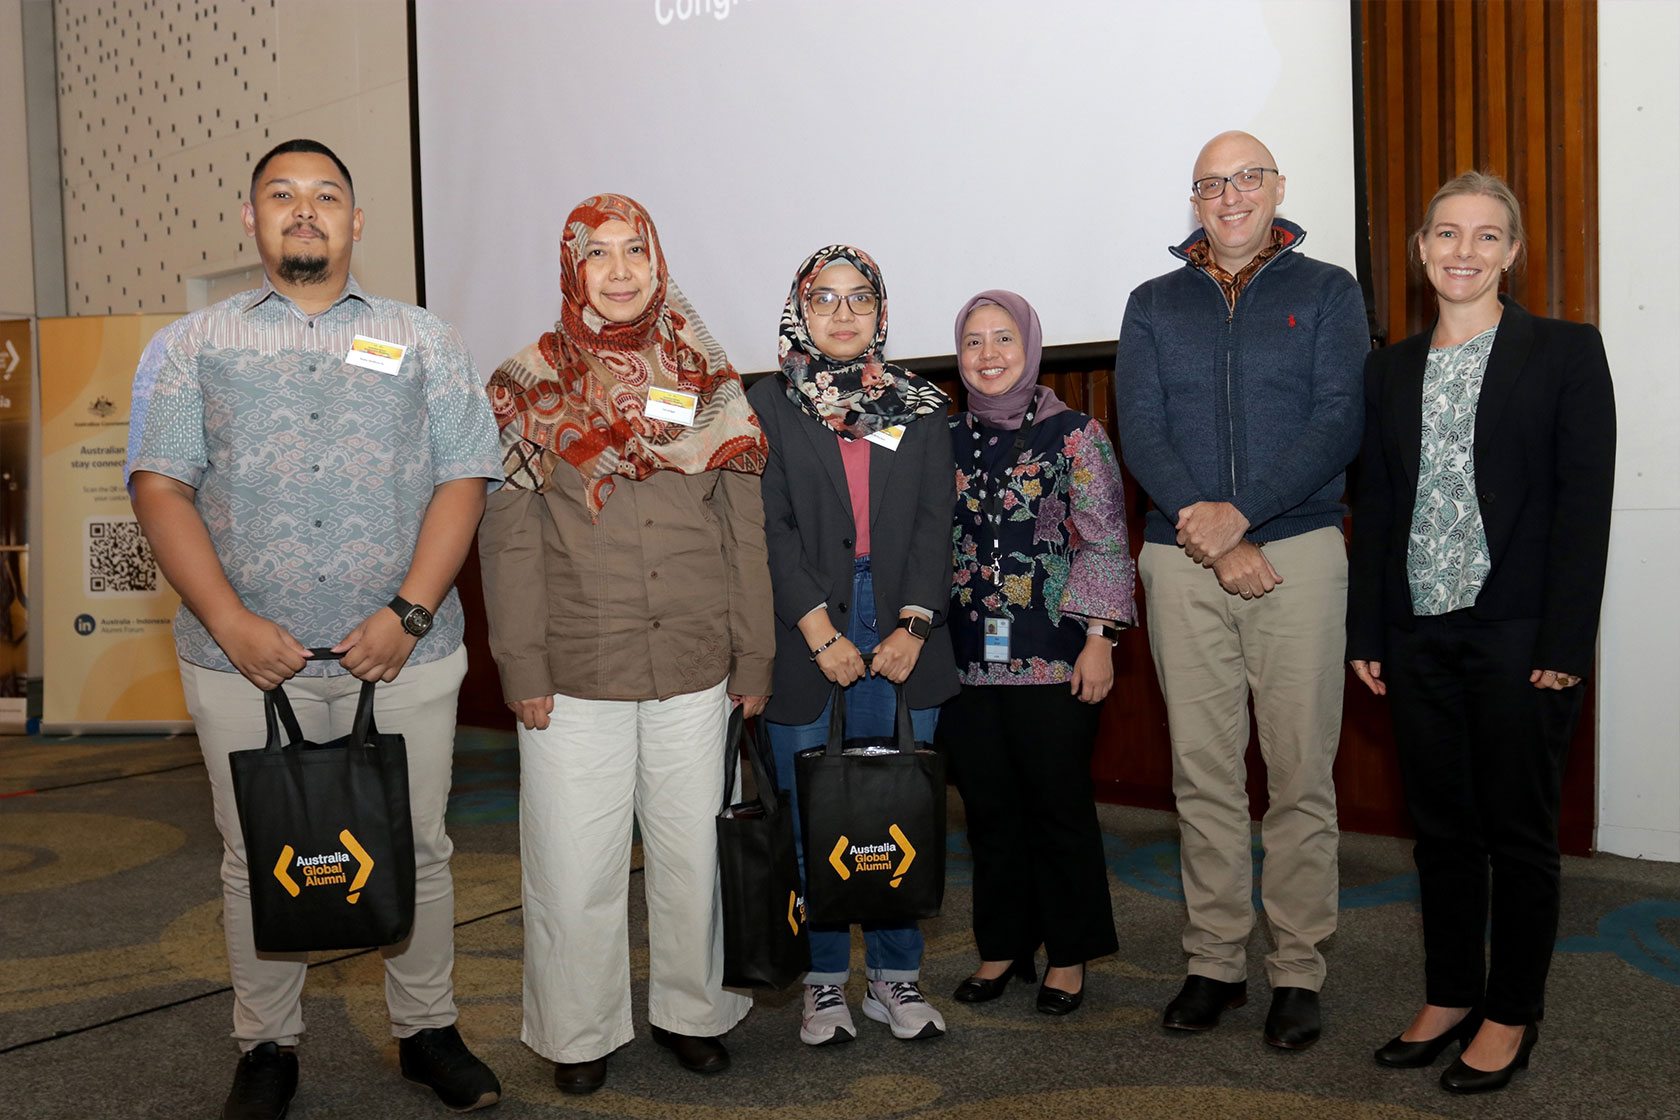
(1063, 555)
(312, 474)
(1447, 558)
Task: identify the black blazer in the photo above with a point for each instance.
(808, 527)
(1545, 456)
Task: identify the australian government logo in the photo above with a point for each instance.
(326, 869)
(893, 857)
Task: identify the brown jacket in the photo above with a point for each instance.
(669, 593)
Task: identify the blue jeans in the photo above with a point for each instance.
(891, 952)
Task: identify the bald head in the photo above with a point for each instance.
(1238, 222)
(1234, 147)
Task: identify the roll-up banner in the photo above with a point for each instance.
(16, 369)
(106, 609)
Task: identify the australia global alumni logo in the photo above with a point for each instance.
(874, 857)
(326, 869)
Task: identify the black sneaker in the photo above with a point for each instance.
(438, 1059)
(263, 1085)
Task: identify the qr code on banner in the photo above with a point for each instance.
(119, 561)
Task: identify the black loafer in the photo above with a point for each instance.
(695, 1052)
(1462, 1078)
(976, 990)
(263, 1085)
(1397, 1053)
(1201, 1001)
(1293, 1022)
(578, 1078)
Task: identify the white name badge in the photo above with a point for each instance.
(996, 639)
(671, 405)
(887, 437)
(371, 353)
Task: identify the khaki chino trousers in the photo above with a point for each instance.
(1212, 652)
(227, 711)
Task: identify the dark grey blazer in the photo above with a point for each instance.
(1545, 452)
(808, 527)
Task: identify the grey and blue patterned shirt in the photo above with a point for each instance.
(1447, 559)
(313, 474)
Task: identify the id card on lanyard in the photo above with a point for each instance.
(994, 646)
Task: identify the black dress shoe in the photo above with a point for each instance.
(1462, 1078)
(1054, 1001)
(1201, 1001)
(1293, 1022)
(263, 1085)
(696, 1052)
(1397, 1053)
(976, 990)
(438, 1059)
(578, 1078)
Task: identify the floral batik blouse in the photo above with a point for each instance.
(1063, 553)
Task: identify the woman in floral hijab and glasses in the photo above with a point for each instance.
(627, 591)
(857, 506)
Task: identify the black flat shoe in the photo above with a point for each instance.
(1293, 1023)
(577, 1078)
(1054, 1001)
(1462, 1078)
(696, 1052)
(976, 990)
(1397, 1053)
(1201, 1001)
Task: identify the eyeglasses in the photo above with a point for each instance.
(827, 303)
(1248, 179)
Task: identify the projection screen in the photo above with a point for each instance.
(1044, 147)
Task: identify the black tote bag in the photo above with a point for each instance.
(765, 942)
(873, 816)
(329, 842)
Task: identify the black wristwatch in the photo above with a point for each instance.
(417, 620)
(918, 626)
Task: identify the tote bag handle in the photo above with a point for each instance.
(277, 711)
(764, 771)
(837, 717)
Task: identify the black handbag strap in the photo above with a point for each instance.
(758, 757)
(837, 716)
(278, 713)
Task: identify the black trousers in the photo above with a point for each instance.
(1481, 758)
(1021, 756)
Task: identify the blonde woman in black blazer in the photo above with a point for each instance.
(1480, 530)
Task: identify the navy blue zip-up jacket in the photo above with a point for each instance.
(1261, 407)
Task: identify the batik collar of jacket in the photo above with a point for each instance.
(580, 391)
(864, 394)
(1200, 254)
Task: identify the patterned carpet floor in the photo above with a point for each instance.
(114, 999)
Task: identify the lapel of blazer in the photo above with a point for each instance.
(1405, 401)
(1505, 364)
(826, 446)
(880, 468)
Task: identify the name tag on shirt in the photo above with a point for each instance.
(671, 405)
(887, 437)
(371, 353)
(996, 640)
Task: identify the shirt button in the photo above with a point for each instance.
(322, 579)
(847, 542)
(653, 575)
(314, 415)
(317, 524)
(842, 608)
(656, 624)
(649, 521)
(316, 467)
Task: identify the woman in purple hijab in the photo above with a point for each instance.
(1044, 580)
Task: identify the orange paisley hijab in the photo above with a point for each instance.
(579, 393)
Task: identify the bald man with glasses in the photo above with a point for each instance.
(1237, 381)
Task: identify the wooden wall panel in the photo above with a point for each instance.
(1508, 86)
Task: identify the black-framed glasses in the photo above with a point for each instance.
(1248, 179)
(827, 303)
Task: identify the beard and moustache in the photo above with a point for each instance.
(298, 269)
